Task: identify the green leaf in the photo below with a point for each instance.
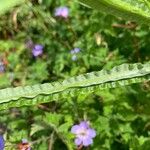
(134, 10)
(35, 128)
(64, 127)
(5, 5)
(4, 80)
(53, 119)
(122, 75)
(146, 145)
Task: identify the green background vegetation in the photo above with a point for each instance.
(120, 116)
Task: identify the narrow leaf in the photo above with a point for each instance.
(122, 75)
(134, 10)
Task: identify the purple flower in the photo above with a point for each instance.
(2, 143)
(72, 51)
(84, 134)
(62, 11)
(37, 50)
(74, 58)
(2, 67)
(24, 141)
(26, 144)
(75, 50)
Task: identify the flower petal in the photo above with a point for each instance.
(37, 50)
(2, 143)
(87, 142)
(78, 141)
(24, 141)
(72, 52)
(38, 47)
(75, 129)
(62, 11)
(76, 50)
(91, 133)
(84, 124)
(74, 58)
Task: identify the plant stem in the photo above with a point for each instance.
(80, 147)
(51, 141)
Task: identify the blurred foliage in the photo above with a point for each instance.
(7, 4)
(135, 10)
(121, 116)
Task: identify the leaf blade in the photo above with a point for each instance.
(122, 75)
(120, 8)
